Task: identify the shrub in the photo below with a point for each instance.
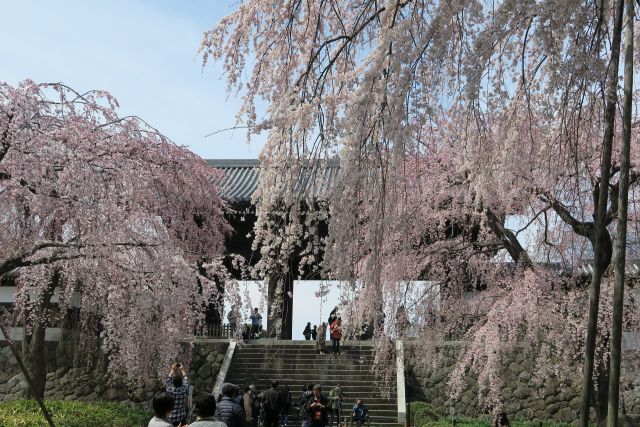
(26, 413)
(422, 413)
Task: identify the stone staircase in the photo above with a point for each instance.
(296, 364)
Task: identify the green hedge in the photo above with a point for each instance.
(72, 414)
(425, 415)
(422, 413)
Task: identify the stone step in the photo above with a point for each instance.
(306, 367)
(330, 360)
(333, 377)
(296, 386)
(297, 364)
(351, 393)
(311, 352)
(380, 417)
(326, 360)
(298, 383)
(309, 349)
(378, 408)
(302, 380)
(341, 358)
(363, 345)
(386, 420)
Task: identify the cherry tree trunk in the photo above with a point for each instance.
(601, 261)
(600, 394)
(621, 243)
(23, 368)
(33, 343)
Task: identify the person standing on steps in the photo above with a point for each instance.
(335, 400)
(228, 411)
(314, 332)
(256, 322)
(332, 316)
(247, 404)
(336, 335)
(317, 408)
(238, 399)
(271, 405)
(232, 317)
(304, 399)
(285, 405)
(205, 409)
(257, 405)
(320, 343)
(307, 331)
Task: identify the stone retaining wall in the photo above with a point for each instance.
(68, 382)
(524, 398)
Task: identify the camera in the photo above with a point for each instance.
(178, 365)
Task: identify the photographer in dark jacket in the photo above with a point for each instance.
(317, 408)
(228, 411)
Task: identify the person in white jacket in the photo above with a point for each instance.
(162, 407)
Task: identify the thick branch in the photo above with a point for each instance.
(612, 213)
(509, 239)
(582, 228)
(23, 259)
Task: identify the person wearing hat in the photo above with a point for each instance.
(228, 411)
(317, 408)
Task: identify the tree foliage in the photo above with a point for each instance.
(107, 215)
(469, 137)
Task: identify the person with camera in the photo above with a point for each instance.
(177, 385)
(335, 398)
(317, 408)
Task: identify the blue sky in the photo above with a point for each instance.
(144, 52)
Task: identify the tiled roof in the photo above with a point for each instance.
(241, 177)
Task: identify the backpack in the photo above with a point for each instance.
(335, 331)
(256, 404)
(306, 395)
(285, 400)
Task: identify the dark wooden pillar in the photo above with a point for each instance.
(280, 316)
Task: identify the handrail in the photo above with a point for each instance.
(224, 368)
